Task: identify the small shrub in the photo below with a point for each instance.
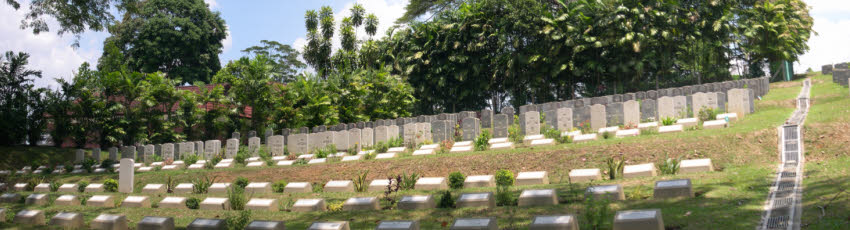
(396, 142)
(110, 185)
(637, 193)
(446, 200)
(514, 134)
(170, 184)
(615, 167)
(708, 114)
(482, 141)
(193, 203)
(607, 135)
(81, 186)
(279, 185)
(445, 146)
(88, 164)
(241, 156)
(669, 166)
(504, 196)
(300, 161)
(236, 197)
(32, 182)
(325, 152)
(668, 121)
(597, 213)
(68, 167)
(107, 164)
(370, 156)
(157, 158)
(212, 162)
(239, 221)
(201, 184)
(456, 180)
(408, 181)
(264, 156)
(317, 188)
(381, 147)
(54, 186)
(190, 159)
(241, 182)
(504, 178)
(335, 206)
(360, 181)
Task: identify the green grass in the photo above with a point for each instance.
(730, 198)
(826, 200)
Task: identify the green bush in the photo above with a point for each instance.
(201, 184)
(597, 214)
(279, 186)
(504, 196)
(381, 147)
(190, 159)
(241, 182)
(88, 164)
(456, 180)
(110, 185)
(446, 200)
(335, 206)
(360, 181)
(708, 114)
(668, 121)
(107, 164)
(193, 203)
(607, 135)
(236, 197)
(81, 186)
(615, 167)
(264, 156)
(482, 141)
(54, 186)
(669, 166)
(514, 134)
(504, 178)
(408, 181)
(241, 156)
(238, 222)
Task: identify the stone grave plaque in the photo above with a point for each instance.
(510, 112)
(666, 108)
(673, 188)
(201, 223)
(500, 126)
(315, 141)
(398, 225)
(254, 145)
(598, 117)
(537, 197)
(639, 219)
(339, 225)
(354, 138)
(471, 128)
(199, 148)
(475, 224)
(614, 114)
(367, 137)
(567, 222)
(631, 113)
(409, 133)
(738, 102)
(155, 222)
(265, 225)
(147, 154)
(486, 118)
(276, 145)
(680, 106)
(611, 192)
(168, 151)
(530, 123)
(299, 143)
(212, 148)
(341, 140)
(113, 153)
(381, 134)
(439, 131)
(125, 175)
(415, 202)
(649, 110)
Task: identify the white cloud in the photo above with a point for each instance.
(227, 43)
(830, 45)
(212, 3)
(49, 52)
(387, 12)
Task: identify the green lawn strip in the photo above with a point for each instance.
(730, 199)
(826, 204)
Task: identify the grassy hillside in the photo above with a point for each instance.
(730, 198)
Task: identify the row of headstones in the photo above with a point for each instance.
(600, 112)
(840, 73)
(625, 219)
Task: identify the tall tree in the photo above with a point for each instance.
(285, 63)
(15, 87)
(776, 31)
(251, 85)
(181, 38)
(320, 32)
(74, 17)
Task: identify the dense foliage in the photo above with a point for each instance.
(452, 55)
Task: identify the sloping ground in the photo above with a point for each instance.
(826, 196)
(731, 198)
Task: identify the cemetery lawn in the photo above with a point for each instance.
(732, 197)
(826, 199)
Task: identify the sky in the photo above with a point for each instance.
(248, 22)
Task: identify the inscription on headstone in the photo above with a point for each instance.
(486, 119)
(231, 148)
(631, 113)
(530, 123)
(212, 148)
(367, 138)
(471, 128)
(298, 143)
(560, 119)
(598, 117)
(254, 145)
(168, 151)
(500, 125)
(614, 114)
